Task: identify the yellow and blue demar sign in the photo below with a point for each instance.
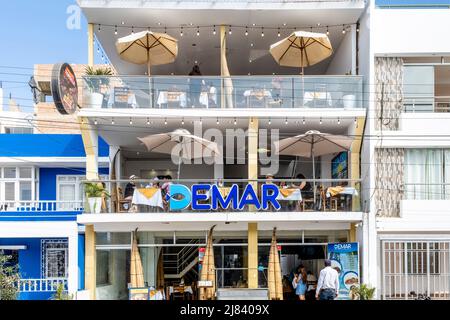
(207, 197)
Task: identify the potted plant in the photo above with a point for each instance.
(96, 78)
(362, 292)
(95, 192)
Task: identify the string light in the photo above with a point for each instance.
(320, 121)
(229, 31)
(328, 32)
(181, 32)
(286, 122)
(131, 121)
(343, 29)
(115, 30)
(234, 121)
(279, 34)
(165, 121)
(99, 28)
(262, 32)
(246, 31)
(165, 30)
(148, 121)
(214, 30)
(198, 31)
(200, 120)
(217, 122)
(95, 122)
(339, 121)
(270, 122)
(303, 121)
(182, 122)
(132, 30)
(112, 121)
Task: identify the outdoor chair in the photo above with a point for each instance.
(122, 204)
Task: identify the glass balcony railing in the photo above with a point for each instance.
(429, 103)
(239, 92)
(227, 195)
(426, 191)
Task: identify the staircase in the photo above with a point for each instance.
(181, 262)
(242, 294)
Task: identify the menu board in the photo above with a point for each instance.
(345, 256)
(339, 166)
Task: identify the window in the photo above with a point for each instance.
(18, 130)
(70, 187)
(103, 264)
(427, 174)
(54, 255)
(17, 184)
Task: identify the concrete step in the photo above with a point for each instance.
(242, 294)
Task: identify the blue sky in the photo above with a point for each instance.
(35, 32)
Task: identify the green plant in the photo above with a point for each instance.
(95, 190)
(362, 292)
(9, 278)
(61, 294)
(97, 77)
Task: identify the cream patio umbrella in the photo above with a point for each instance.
(147, 47)
(208, 272)
(301, 49)
(274, 280)
(136, 270)
(182, 144)
(311, 144)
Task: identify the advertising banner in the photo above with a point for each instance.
(345, 259)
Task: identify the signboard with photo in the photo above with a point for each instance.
(64, 88)
(345, 256)
(138, 294)
(339, 166)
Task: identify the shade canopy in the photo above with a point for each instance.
(313, 143)
(208, 272)
(274, 279)
(301, 49)
(181, 143)
(136, 270)
(147, 47)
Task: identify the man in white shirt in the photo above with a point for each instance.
(328, 284)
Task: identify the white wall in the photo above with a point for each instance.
(344, 60)
(410, 32)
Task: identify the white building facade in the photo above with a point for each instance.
(382, 87)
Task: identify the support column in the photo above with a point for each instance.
(352, 233)
(91, 44)
(90, 268)
(72, 285)
(355, 156)
(253, 226)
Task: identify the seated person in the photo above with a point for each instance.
(129, 188)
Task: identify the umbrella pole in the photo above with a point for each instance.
(179, 167)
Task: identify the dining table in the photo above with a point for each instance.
(150, 196)
(289, 194)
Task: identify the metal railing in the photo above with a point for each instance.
(237, 277)
(329, 195)
(180, 260)
(426, 104)
(239, 92)
(40, 285)
(426, 191)
(36, 206)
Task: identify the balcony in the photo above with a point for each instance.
(39, 289)
(226, 195)
(213, 92)
(40, 210)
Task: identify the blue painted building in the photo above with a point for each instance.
(40, 198)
